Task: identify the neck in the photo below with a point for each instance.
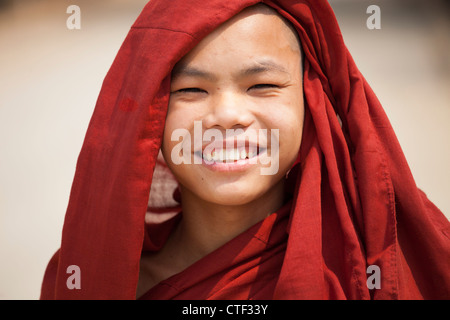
(206, 226)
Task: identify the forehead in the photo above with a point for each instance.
(256, 32)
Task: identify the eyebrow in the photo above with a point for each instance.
(263, 66)
(257, 68)
(192, 72)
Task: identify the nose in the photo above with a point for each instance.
(228, 110)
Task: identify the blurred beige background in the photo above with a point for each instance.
(50, 78)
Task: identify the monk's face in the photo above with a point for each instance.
(235, 117)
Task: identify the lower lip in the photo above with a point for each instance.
(235, 166)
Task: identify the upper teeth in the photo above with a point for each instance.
(229, 155)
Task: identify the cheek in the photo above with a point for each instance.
(172, 123)
(166, 143)
(178, 135)
(290, 140)
(291, 130)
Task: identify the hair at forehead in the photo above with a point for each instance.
(262, 8)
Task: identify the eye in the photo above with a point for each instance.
(263, 86)
(190, 90)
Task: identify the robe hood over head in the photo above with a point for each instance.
(355, 202)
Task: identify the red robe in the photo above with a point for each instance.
(354, 201)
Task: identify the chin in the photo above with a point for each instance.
(234, 194)
(232, 199)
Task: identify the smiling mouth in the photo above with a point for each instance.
(229, 155)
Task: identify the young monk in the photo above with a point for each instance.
(289, 179)
(246, 74)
